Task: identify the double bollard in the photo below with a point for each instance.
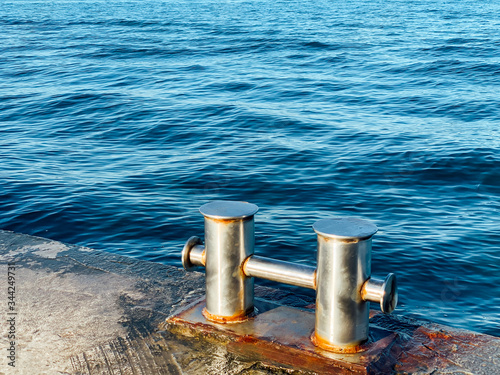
(342, 279)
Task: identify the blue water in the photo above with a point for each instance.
(120, 118)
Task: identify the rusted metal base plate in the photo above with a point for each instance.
(280, 336)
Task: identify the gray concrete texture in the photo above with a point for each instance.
(81, 311)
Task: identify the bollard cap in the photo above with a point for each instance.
(345, 228)
(228, 210)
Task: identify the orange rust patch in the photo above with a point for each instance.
(237, 318)
(348, 240)
(436, 335)
(204, 257)
(294, 359)
(244, 265)
(281, 336)
(343, 240)
(229, 221)
(324, 344)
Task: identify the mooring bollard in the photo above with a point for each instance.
(342, 279)
(229, 241)
(345, 286)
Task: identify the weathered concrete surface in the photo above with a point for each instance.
(81, 311)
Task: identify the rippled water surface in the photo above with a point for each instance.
(120, 118)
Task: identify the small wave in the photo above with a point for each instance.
(322, 46)
(119, 121)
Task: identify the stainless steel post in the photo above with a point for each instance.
(342, 279)
(344, 265)
(229, 240)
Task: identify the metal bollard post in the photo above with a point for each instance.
(229, 240)
(342, 280)
(344, 284)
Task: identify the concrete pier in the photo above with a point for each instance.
(81, 311)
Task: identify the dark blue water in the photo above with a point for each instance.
(120, 118)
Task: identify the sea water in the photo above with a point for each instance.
(118, 119)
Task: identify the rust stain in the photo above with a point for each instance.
(296, 359)
(237, 318)
(343, 240)
(349, 240)
(396, 345)
(435, 335)
(432, 348)
(244, 265)
(325, 344)
(363, 289)
(229, 221)
(223, 221)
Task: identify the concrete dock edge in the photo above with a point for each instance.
(82, 311)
